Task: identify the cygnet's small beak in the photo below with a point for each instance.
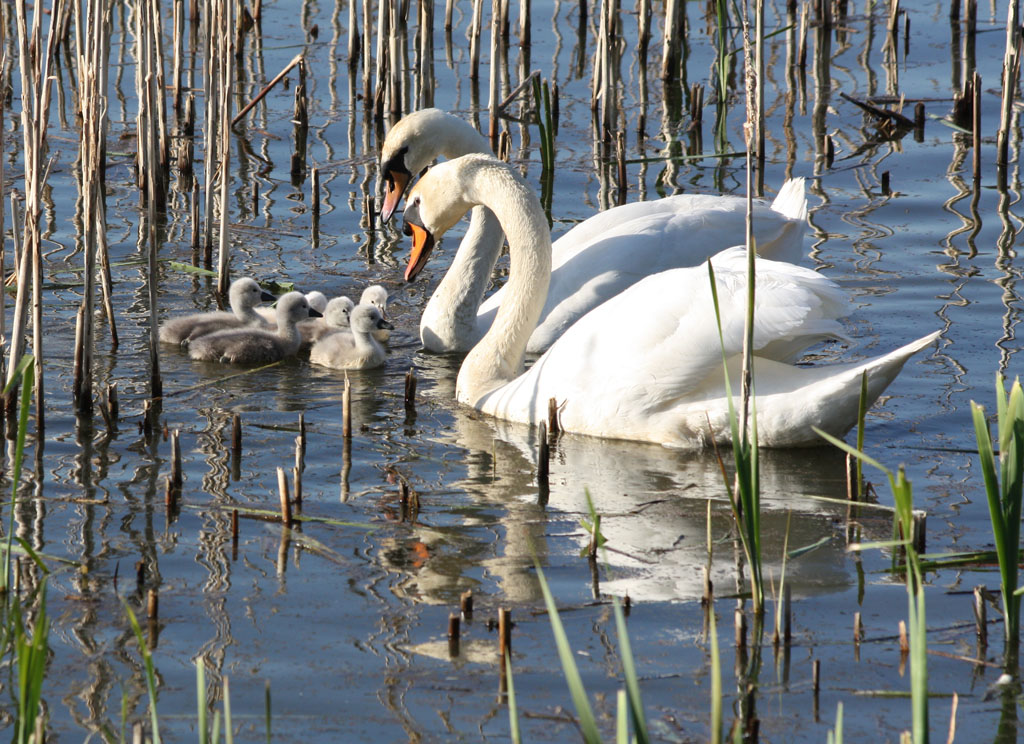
(265, 296)
(314, 313)
(384, 325)
(396, 182)
(422, 245)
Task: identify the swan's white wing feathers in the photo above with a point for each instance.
(611, 251)
(656, 343)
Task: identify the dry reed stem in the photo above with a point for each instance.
(266, 89)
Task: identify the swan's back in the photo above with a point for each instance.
(613, 250)
(647, 365)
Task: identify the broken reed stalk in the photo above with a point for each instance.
(286, 503)
(355, 41)
(210, 93)
(980, 616)
(314, 198)
(976, 128)
(150, 171)
(266, 89)
(176, 479)
(474, 40)
(553, 425)
(35, 109)
(367, 46)
(453, 634)
(93, 52)
(410, 391)
(673, 44)
(1011, 71)
(504, 634)
(426, 49)
(346, 409)
(525, 9)
(543, 455)
(383, 34)
(643, 32)
(152, 604)
(226, 70)
(466, 604)
(297, 487)
(494, 68)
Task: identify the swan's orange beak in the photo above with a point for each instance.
(422, 245)
(396, 183)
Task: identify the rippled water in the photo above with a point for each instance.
(346, 618)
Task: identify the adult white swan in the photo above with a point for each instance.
(595, 260)
(647, 364)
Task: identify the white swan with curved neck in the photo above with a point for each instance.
(594, 261)
(647, 364)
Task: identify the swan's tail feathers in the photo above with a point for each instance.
(881, 371)
(792, 200)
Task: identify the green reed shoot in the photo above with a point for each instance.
(1004, 491)
(633, 706)
(917, 627)
(546, 126)
(835, 736)
(513, 710)
(204, 737)
(716, 678)
(31, 653)
(147, 661)
(746, 498)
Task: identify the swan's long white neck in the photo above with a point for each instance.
(449, 319)
(498, 358)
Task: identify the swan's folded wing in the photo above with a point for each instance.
(657, 343)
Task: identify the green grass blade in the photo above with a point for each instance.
(229, 734)
(513, 711)
(588, 724)
(629, 672)
(621, 718)
(716, 679)
(201, 701)
(147, 660)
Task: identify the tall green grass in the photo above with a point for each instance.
(1004, 487)
(903, 500)
(745, 492)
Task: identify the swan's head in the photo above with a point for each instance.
(377, 296)
(436, 203)
(338, 311)
(246, 293)
(293, 307)
(415, 142)
(367, 319)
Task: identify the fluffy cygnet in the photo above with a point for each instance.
(357, 349)
(256, 345)
(377, 296)
(336, 318)
(244, 295)
(317, 301)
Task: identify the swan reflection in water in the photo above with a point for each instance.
(653, 503)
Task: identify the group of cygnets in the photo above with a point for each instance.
(338, 334)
